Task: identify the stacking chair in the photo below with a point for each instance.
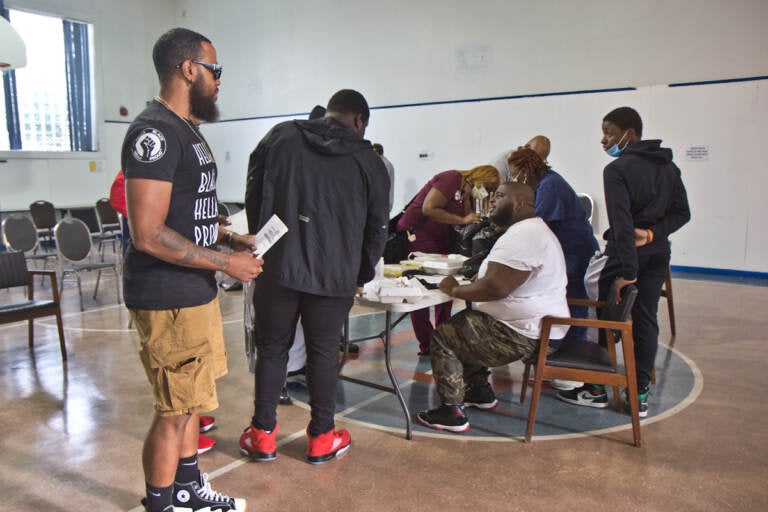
(20, 235)
(74, 245)
(14, 272)
(590, 362)
(44, 216)
(109, 226)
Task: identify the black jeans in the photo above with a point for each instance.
(277, 310)
(651, 272)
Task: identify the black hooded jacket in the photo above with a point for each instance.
(332, 192)
(643, 189)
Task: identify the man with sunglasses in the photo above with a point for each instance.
(170, 264)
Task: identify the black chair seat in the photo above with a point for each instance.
(27, 305)
(583, 355)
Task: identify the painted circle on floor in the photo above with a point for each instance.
(678, 384)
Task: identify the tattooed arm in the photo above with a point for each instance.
(148, 202)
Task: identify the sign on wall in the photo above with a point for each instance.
(698, 153)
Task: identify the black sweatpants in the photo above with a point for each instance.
(277, 309)
(651, 272)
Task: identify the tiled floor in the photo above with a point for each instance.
(72, 434)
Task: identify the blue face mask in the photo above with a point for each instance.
(615, 151)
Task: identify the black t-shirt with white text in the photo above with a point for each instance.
(159, 145)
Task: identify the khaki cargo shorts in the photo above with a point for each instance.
(183, 353)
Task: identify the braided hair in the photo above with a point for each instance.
(527, 166)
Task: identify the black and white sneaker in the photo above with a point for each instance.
(642, 396)
(481, 397)
(198, 496)
(445, 417)
(285, 398)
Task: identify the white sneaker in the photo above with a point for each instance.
(565, 385)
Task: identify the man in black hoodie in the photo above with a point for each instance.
(331, 190)
(646, 202)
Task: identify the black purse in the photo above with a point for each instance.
(397, 247)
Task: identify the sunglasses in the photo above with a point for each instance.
(213, 68)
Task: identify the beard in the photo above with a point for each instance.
(504, 216)
(202, 105)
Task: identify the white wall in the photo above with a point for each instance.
(284, 56)
(124, 32)
(725, 192)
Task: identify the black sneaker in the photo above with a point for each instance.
(194, 496)
(285, 398)
(481, 397)
(589, 394)
(354, 348)
(445, 417)
(642, 396)
(297, 379)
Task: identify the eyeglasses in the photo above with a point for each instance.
(216, 69)
(213, 68)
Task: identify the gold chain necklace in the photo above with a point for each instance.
(189, 125)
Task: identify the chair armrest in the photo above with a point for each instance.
(54, 282)
(585, 302)
(548, 321)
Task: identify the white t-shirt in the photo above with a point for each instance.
(530, 245)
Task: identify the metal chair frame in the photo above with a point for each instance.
(76, 252)
(20, 235)
(110, 229)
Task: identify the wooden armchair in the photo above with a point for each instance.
(14, 272)
(589, 362)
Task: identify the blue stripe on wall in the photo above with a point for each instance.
(723, 81)
(492, 98)
(499, 98)
(428, 103)
(719, 272)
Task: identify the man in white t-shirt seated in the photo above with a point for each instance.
(521, 281)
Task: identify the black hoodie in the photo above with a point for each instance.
(332, 192)
(643, 189)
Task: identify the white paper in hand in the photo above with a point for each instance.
(270, 233)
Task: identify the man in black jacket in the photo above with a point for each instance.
(331, 190)
(646, 202)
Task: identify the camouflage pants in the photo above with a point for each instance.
(466, 346)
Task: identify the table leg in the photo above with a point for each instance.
(388, 362)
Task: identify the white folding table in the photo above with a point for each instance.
(430, 298)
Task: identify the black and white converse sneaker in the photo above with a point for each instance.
(198, 496)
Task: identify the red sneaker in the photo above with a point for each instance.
(206, 423)
(258, 444)
(324, 447)
(204, 444)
